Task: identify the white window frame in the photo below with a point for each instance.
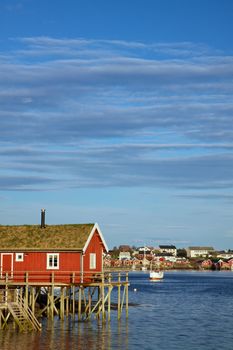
(19, 257)
(92, 261)
(52, 267)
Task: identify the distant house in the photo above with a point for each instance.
(144, 250)
(225, 255)
(124, 256)
(206, 263)
(66, 251)
(195, 252)
(170, 249)
(165, 257)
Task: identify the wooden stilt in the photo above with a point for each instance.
(48, 302)
(99, 299)
(127, 295)
(84, 299)
(123, 300)
(73, 301)
(89, 301)
(52, 298)
(26, 301)
(93, 298)
(67, 301)
(119, 297)
(109, 296)
(79, 303)
(62, 297)
(102, 297)
(33, 299)
(73, 294)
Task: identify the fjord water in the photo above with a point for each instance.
(187, 310)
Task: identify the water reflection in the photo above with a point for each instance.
(69, 334)
(187, 311)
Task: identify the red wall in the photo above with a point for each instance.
(35, 263)
(68, 261)
(95, 246)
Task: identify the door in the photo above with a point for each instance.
(7, 264)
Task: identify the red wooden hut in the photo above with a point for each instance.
(51, 253)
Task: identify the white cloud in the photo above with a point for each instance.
(158, 114)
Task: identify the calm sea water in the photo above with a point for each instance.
(187, 310)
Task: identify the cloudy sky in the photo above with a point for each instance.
(119, 112)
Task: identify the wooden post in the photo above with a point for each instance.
(73, 295)
(67, 301)
(62, 303)
(52, 297)
(21, 296)
(119, 297)
(6, 289)
(33, 299)
(79, 303)
(98, 301)
(48, 302)
(89, 301)
(109, 296)
(26, 292)
(73, 301)
(102, 297)
(127, 295)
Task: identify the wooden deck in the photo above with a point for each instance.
(82, 296)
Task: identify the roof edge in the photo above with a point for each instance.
(95, 227)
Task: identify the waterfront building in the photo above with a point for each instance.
(170, 249)
(145, 250)
(53, 248)
(124, 256)
(36, 260)
(224, 254)
(195, 252)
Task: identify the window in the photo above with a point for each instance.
(53, 261)
(19, 257)
(92, 261)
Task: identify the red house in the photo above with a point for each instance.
(57, 253)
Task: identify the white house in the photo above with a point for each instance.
(170, 249)
(144, 250)
(124, 256)
(195, 252)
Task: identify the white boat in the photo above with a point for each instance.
(156, 275)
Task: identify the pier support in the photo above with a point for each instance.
(86, 300)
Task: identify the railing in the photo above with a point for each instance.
(61, 277)
(10, 299)
(28, 312)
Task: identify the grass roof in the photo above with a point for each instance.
(33, 237)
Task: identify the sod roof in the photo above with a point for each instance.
(33, 237)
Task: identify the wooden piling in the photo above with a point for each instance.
(62, 297)
(79, 303)
(93, 297)
(119, 297)
(127, 295)
(109, 296)
(102, 298)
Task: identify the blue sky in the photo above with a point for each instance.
(119, 112)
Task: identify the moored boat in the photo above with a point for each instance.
(156, 275)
